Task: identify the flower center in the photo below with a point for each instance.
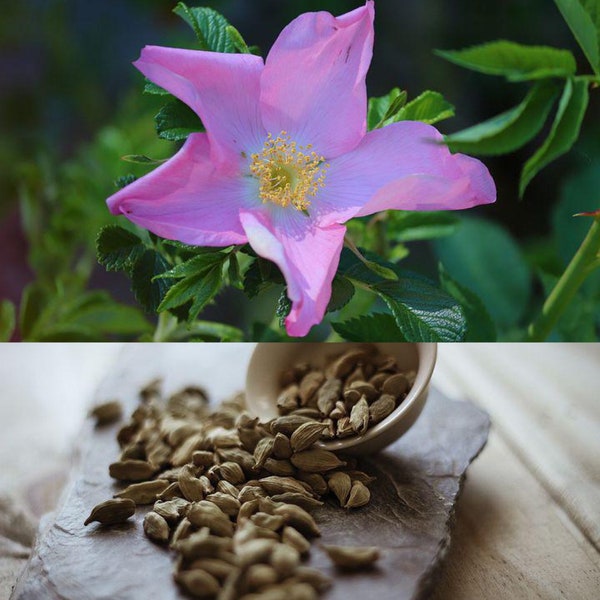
(288, 173)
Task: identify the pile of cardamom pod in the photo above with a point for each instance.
(351, 393)
(231, 496)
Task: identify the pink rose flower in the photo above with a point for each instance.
(286, 158)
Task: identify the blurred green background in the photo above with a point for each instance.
(71, 106)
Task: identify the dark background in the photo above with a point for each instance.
(65, 72)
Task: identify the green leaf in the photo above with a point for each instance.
(429, 107)
(260, 275)
(379, 327)
(118, 249)
(509, 130)
(207, 330)
(237, 40)
(199, 288)
(176, 121)
(33, 302)
(153, 89)
(422, 311)
(209, 26)
(483, 257)
(233, 272)
(583, 18)
(284, 306)
(195, 266)
(142, 159)
(7, 320)
(480, 327)
(516, 62)
(564, 131)
(124, 180)
(148, 290)
(384, 107)
(342, 292)
(408, 226)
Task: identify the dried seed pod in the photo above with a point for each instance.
(359, 417)
(309, 385)
(263, 450)
(182, 532)
(340, 484)
(132, 470)
(381, 408)
(247, 510)
(145, 492)
(267, 505)
(343, 365)
(239, 456)
(306, 435)
(288, 424)
(280, 485)
(315, 578)
(360, 476)
(284, 559)
(344, 428)
(231, 587)
(328, 395)
(351, 397)
(302, 500)
(222, 438)
(316, 482)
(365, 389)
(134, 451)
(203, 458)
(229, 505)
(296, 373)
(299, 519)
(198, 583)
(207, 514)
(288, 400)
(183, 454)
(250, 531)
(107, 413)
(311, 413)
(258, 576)
(250, 492)
(191, 487)
(272, 522)
(171, 510)
(156, 528)
(158, 453)
(231, 472)
(378, 379)
(255, 551)
(386, 363)
(339, 411)
(283, 468)
(316, 461)
(249, 438)
(352, 557)
(201, 545)
(227, 488)
(217, 567)
(281, 447)
(359, 495)
(170, 492)
(112, 512)
(329, 428)
(292, 537)
(395, 385)
(357, 375)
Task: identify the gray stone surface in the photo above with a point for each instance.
(410, 515)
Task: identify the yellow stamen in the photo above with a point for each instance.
(288, 173)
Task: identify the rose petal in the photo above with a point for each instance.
(313, 84)
(402, 166)
(223, 89)
(186, 199)
(308, 257)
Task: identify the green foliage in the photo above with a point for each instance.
(564, 132)
(284, 306)
(409, 226)
(209, 26)
(142, 159)
(176, 120)
(480, 327)
(484, 258)
(583, 17)
(509, 130)
(7, 320)
(118, 249)
(148, 290)
(514, 61)
(342, 292)
(429, 107)
(385, 107)
(377, 327)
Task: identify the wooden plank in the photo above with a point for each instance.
(512, 540)
(543, 399)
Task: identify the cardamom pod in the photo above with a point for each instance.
(344, 428)
(107, 413)
(207, 514)
(316, 482)
(112, 512)
(228, 504)
(306, 435)
(217, 567)
(309, 385)
(191, 487)
(231, 472)
(280, 485)
(203, 458)
(288, 424)
(145, 492)
(316, 460)
(171, 510)
(365, 389)
(328, 394)
(284, 559)
(315, 578)
(263, 450)
(198, 583)
(340, 484)
(258, 576)
(343, 365)
(381, 408)
(359, 495)
(352, 557)
(132, 470)
(272, 522)
(288, 400)
(292, 537)
(156, 528)
(395, 385)
(359, 417)
(283, 468)
(281, 447)
(299, 519)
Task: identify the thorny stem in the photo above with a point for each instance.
(586, 259)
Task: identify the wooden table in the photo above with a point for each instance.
(528, 524)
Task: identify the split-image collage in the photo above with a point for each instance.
(300, 300)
